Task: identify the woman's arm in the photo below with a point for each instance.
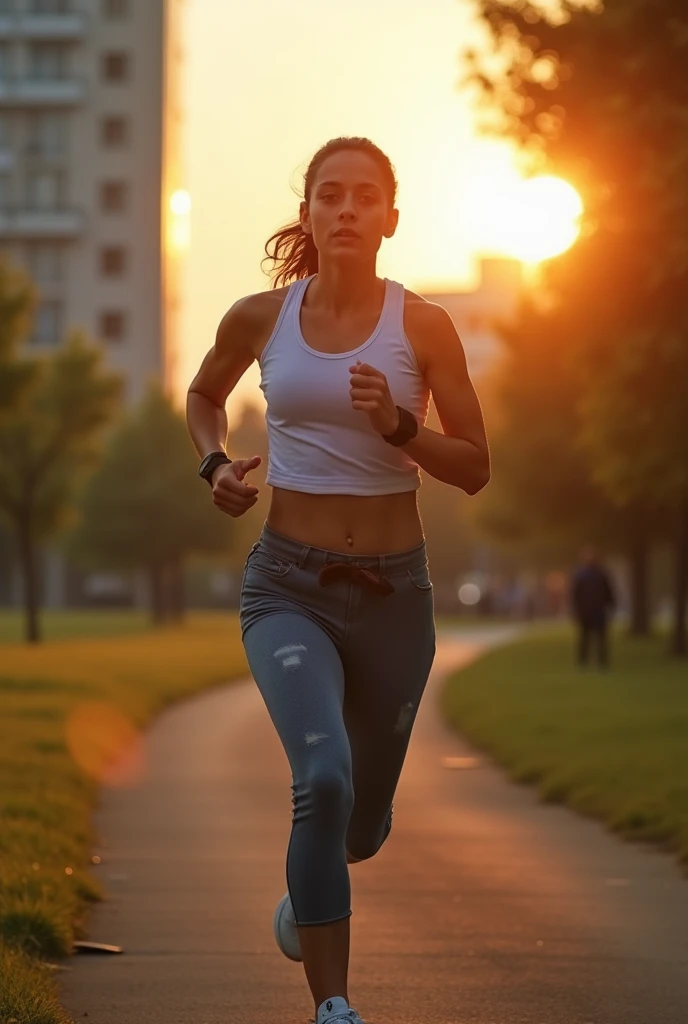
(220, 371)
(460, 455)
(222, 368)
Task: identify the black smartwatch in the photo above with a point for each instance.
(210, 464)
(405, 432)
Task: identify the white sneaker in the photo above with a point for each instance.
(337, 1011)
(286, 932)
(348, 1017)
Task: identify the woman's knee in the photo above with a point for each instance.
(362, 844)
(328, 793)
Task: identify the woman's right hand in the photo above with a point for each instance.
(230, 493)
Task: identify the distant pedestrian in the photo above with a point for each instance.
(593, 601)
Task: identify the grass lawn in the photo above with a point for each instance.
(113, 687)
(612, 745)
(61, 625)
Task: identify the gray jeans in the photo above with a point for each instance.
(342, 667)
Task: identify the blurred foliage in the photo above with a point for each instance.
(48, 440)
(17, 302)
(599, 94)
(146, 508)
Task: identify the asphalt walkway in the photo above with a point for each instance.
(484, 907)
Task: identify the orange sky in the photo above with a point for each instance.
(267, 83)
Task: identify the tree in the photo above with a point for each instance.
(146, 508)
(544, 498)
(47, 442)
(600, 91)
(17, 301)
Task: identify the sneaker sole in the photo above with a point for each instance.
(277, 921)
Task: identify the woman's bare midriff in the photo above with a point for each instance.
(348, 523)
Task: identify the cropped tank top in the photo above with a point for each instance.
(317, 441)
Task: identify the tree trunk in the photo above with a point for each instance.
(679, 646)
(639, 561)
(27, 563)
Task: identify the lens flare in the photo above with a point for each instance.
(105, 744)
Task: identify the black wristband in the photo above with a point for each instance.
(210, 464)
(405, 432)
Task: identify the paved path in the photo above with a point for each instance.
(484, 907)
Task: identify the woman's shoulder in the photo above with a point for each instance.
(421, 310)
(254, 317)
(427, 325)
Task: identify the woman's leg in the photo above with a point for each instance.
(387, 661)
(300, 676)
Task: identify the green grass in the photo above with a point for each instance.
(612, 745)
(47, 793)
(65, 625)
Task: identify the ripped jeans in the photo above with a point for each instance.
(342, 668)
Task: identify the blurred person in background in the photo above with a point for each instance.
(336, 604)
(593, 601)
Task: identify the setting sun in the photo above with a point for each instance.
(531, 220)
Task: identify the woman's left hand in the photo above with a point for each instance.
(370, 393)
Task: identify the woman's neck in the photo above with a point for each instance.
(338, 289)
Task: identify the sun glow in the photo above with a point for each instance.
(531, 220)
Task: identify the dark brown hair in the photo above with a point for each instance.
(294, 254)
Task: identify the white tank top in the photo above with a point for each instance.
(318, 442)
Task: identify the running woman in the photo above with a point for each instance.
(336, 602)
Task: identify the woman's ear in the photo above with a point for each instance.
(303, 217)
(392, 222)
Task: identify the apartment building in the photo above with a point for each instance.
(90, 123)
(90, 160)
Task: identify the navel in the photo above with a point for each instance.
(349, 540)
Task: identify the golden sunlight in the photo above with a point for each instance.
(179, 222)
(532, 220)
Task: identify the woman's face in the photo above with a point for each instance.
(349, 194)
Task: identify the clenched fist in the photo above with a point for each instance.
(370, 393)
(230, 493)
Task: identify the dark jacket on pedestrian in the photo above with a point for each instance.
(592, 593)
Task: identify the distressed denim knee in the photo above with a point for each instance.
(326, 795)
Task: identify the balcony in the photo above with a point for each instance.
(41, 92)
(31, 224)
(59, 27)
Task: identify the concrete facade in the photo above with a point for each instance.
(90, 157)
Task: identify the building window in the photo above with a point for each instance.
(44, 190)
(113, 196)
(115, 8)
(116, 67)
(45, 263)
(46, 134)
(113, 261)
(114, 131)
(112, 325)
(48, 61)
(50, 6)
(5, 61)
(47, 328)
(5, 191)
